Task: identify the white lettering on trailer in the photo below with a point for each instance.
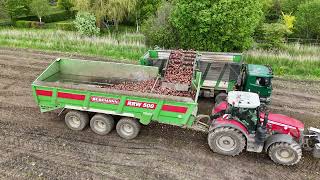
(141, 104)
(104, 100)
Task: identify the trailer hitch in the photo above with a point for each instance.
(314, 133)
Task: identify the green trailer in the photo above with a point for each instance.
(78, 86)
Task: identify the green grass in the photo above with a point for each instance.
(294, 61)
(128, 46)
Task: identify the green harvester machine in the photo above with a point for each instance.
(222, 73)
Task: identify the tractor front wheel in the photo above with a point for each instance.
(285, 153)
(226, 141)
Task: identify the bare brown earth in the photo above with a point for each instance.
(39, 146)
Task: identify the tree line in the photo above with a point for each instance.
(215, 25)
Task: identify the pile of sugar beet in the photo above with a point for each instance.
(179, 70)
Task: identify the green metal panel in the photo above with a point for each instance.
(237, 58)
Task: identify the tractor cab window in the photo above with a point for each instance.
(261, 81)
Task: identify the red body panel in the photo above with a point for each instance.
(220, 107)
(283, 124)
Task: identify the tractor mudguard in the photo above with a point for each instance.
(220, 122)
(277, 138)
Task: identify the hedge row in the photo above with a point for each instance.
(67, 26)
(60, 16)
(28, 24)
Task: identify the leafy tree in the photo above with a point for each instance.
(308, 19)
(119, 9)
(158, 30)
(40, 8)
(15, 8)
(85, 24)
(216, 25)
(273, 35)
(145, 9)
(116, 10)
(65, 4)
(291, 6)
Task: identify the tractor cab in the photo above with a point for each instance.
(257, 79)
(243, 108)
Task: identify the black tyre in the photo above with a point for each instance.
(77, 120)
(128, 128)
(102, 124)
(220, 97)
(226, 141)
(285, 153)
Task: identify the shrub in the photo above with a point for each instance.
(273, 35)
(308, 18)
(216, 25)
(158, 30)
(85, 24)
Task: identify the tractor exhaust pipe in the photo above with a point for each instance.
(261, 130)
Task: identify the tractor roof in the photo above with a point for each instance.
(243, 99)
(259, 70)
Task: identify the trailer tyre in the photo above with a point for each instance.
(227, 141)
(102, 124)
(220, 97)
(76, 120)
(128, 128)
(285, 153)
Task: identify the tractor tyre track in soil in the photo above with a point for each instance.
(35, 145)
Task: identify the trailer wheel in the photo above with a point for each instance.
(76, 120)
(285, 153)
(102, 124)
(128, 128)
(220, 97)
(226, 141)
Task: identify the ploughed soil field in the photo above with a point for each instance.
(40, 146)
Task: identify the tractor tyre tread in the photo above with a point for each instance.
(227, 131)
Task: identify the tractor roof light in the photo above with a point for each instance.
(242, 99)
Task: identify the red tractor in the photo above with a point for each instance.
(238, 124)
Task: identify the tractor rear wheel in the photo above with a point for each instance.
(226, 141)
(77, 120)
(128, 128)
(285, 153)
(102, 124)
(220, 97)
